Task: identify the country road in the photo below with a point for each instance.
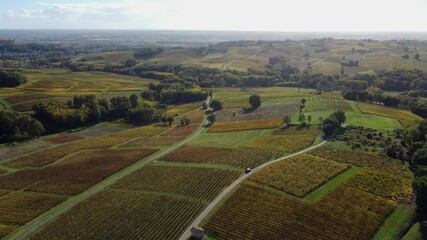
(199, 219)
(48, 216)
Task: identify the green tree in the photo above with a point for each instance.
(417, 56)
(134, 100)
(215, 105)
(287, 120)
(212, 118)
(420, 157)
(301, 118)
(303, 101)
(255, 101)
(420, 188)
(130, 63)
(330, 125)
(11, 79)
(340, 116)
(309, 119)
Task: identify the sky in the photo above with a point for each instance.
(241, 15)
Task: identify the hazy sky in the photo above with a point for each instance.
(268, 15)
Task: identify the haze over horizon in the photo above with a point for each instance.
(239, 15)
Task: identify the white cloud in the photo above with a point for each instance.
(275, 15)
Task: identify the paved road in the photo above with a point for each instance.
(198, 220)
(45, 218)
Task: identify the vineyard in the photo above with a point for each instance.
(65, 138)
(245, 125)
(255, 212)
(389, 186)
(21, 207)
(226, 156)
(126, 215)
(287, 139)
(196, 182)
(156, 202)
(74, 174)
(298, 175)
(181, 131)
(229, 139)
(363, 159)
(263, 112)
(181, 109)
(51, 155)
(314, 104)
(405, 117)
(152, 142)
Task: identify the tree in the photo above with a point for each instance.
(185, 121)
(143, 115)
(130, 63)
(417, 56)
(216, 105)
(255, 101)
(301, 118)
(11, 79)
(134, 100)
(170, 120)
(420, 157)
(303, 101)
(420, 188)
(320, 120)
(340, 116)
(287, 120)
(309, 119)
(330, 125)
(212, 118)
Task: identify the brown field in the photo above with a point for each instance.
(181, 131)
(226, 156)
(376, 62)
(65, 138)
(21, 207)
(195, 116)
(362, 159)
(254, 212)
(49, 85)
(287, 139)
(11, 151)
(245, 125)
(299, 175)
(74, 174)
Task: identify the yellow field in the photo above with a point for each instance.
(405, 117)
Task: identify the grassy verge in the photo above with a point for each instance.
(413, 233)
(335, 182)
(397, 222)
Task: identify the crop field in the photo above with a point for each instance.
(15, 99)
(152, 142)
(389, 186)
(229, 139)
(404, 117)
(6, 229)
(263, 112)
(287, 139)
(327, 68)
(134, 215)
(156, 201)
(195, 116)
(254, 212)
(233, 94)
(202, 183)
(181, 131)
(299, 175)
(225, 156)
(376, 62)
(7, 152)
(65, 138)
(362, 159)
(76, 173)
(181, 109)
(245, 125)
(21, 207)
(48, 85)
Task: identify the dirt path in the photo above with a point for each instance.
(199, 219)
